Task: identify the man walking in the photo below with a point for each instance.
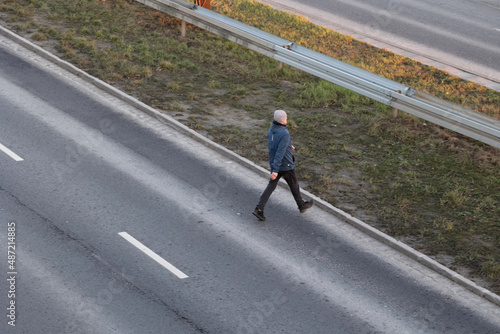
(282, 164)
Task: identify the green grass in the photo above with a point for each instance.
(431, 187)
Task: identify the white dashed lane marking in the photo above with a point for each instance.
(10, 153)
(153, 255)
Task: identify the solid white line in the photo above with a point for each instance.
(153, 255)
(10, 153)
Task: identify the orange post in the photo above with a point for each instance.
(203, 3)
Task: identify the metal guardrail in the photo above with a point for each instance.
(422, 105)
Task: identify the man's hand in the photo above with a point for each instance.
(274, 176)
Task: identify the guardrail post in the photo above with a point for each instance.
(395, 112)
(183, 28)
(280, 65)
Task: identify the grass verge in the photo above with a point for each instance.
(431, 188)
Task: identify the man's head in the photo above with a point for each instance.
(280, 116)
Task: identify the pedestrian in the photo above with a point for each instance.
(282, 163)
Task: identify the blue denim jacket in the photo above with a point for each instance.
(280, 148)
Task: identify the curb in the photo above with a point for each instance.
(365, 228)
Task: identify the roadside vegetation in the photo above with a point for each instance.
(431, 188)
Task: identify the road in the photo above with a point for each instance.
(463, 34)
(99, 182)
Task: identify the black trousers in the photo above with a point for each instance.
(291, 179)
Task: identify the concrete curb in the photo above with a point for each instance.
(367, 229)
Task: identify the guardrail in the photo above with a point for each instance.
(448, 115)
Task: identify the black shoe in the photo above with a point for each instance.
(306, 205)
(259, 214)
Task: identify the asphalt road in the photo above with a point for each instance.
(464, 34)
(95, 171)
